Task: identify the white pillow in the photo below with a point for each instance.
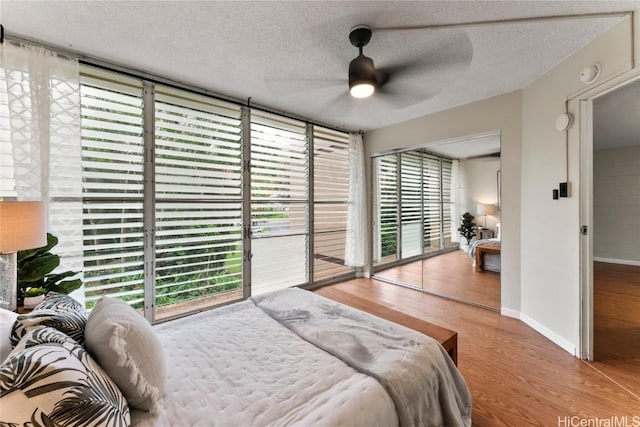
(7, 318)
(125, 346)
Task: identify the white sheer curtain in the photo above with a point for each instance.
(356, 215)
(377, 240)
(455, 198)
(41, 142)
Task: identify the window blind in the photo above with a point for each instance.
(279, 202)
(410, 203)
(388, 198)
(191, 198)
(432, 203)
(198, 215)
(112, 187)
(331, 198)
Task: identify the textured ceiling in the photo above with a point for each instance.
(294, 56)
(616, 118)
(476, 147)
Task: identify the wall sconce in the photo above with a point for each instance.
(22, 226)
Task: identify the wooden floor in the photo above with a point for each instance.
(516, 376)
(451, 274)
(617, 323)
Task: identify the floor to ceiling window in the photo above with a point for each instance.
(113, 187)
(279, 202)
(330, 202)
(164, 211)
(198, 201)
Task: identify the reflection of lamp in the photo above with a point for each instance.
(22, 226)
(485, 209)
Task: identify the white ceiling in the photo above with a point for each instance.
(294, 56)
(463, 149)
(616, 118)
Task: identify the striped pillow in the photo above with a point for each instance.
(58, 301)
(71, 323)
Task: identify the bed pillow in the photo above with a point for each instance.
(123, 343)
(6, 323)
(49, 379)
(57, 301)
(71, 323)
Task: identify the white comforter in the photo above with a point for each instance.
(236, 366)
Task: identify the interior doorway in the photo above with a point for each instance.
(615, 234)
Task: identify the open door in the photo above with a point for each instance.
(609, 139)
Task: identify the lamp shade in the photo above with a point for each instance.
(22, 226)
(485, 209)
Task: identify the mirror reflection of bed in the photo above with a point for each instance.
(426, 191)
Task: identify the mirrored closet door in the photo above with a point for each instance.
(419, 199)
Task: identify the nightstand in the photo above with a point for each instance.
(485, 233)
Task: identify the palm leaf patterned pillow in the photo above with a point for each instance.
(50, 380)
(59, 301)
(71, 323)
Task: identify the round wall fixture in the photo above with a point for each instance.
(564, 122)
(590, 73)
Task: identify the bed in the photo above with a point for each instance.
(489, 259)
(287, 358)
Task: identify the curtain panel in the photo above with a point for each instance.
(40, 136)
(356, 214)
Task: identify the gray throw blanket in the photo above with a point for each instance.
(422, 380)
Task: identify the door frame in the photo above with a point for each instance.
(585, 101)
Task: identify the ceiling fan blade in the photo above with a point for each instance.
(418, 79)
(381, 77)
(396, 70)
(452, 52)
(404, 98)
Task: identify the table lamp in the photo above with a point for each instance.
(22, 226)
(485, 209)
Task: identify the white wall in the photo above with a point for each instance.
(616, 204)
(478, 179)
(550, 251)
(497, 114)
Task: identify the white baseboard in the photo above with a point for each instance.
(548, 333)
(616, 261)
(509, 312)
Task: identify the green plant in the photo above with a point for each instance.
(467, 227)
(35, 267)
(389, 242)
(33, 292)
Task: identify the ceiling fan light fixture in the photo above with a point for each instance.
(362, 77)
(362, 89)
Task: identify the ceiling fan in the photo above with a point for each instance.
(365, 79)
